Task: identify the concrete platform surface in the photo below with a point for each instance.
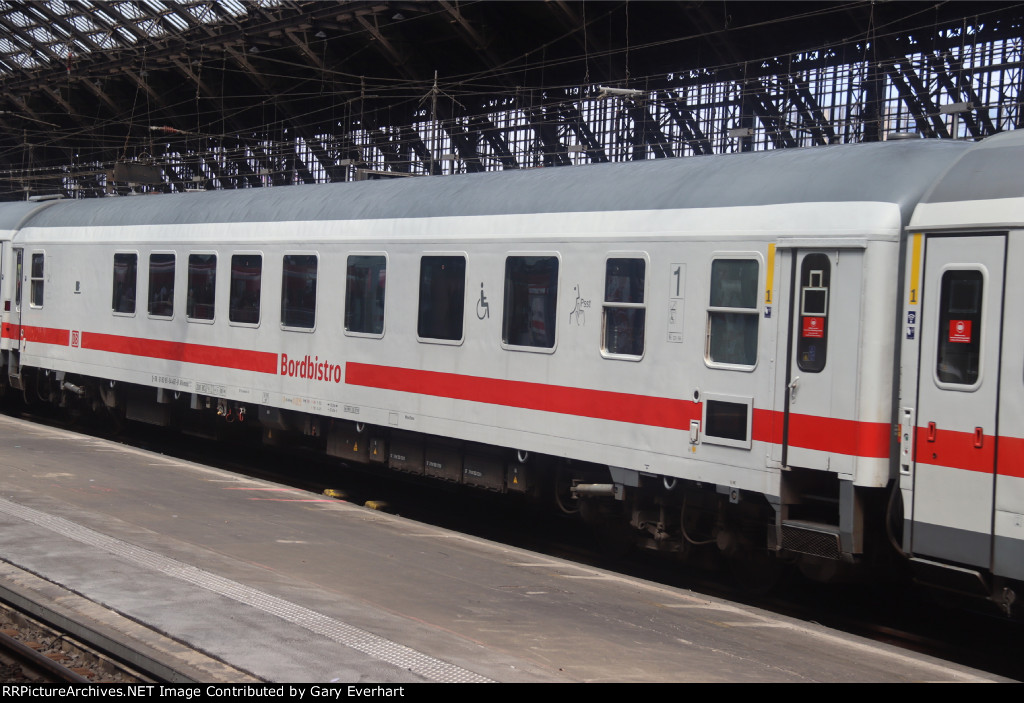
(278, 584)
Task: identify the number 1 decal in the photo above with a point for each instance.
(678, 280)
(677, 288)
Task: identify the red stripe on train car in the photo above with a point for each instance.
(766, 426)
(671, 413)
(1011, 457)
(242, 359)
(865, 439)
(829, 434)
(825, 434)
(44, 335)
(956, 450)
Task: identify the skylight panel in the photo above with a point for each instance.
(174, 19)
(41, 34)
(200, 11)
(113, 30)
(156, 6)
(23, 59)
(126, 35)
(151, 28)
(234, 8)
(81, 23)
(129, 10)
(20, 19)
(59, 8)
(107, 19)
(103, 40)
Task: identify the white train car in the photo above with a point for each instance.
(962, 383)
(12, 217)
(706, 350)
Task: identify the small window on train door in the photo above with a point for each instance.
(624, 319)
(812, 339)
(733, 314)
(36, 281)
(202, 287)
(442, 298)
(365, 284)
(19, 271)
(298, 292)
(161, 285)
(126, 277)
(958, 358)
(531, 300)
(246, 285)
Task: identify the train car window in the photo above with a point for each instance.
(624, 310)
(19, 271)
(298, 291)
(442, 297)
(812, 340)
(959, 349)
(36, 281)
(202, 286)
(727, 420)
(731, 336)
(126, 276)
(161, 285)
(246, 284)
(364, 295)
(531, 296)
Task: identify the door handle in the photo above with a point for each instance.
(792, 388)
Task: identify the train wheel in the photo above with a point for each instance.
(614, 535)
(756, 571)
(564, 499)
(117, 421)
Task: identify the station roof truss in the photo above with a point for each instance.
(119, 97)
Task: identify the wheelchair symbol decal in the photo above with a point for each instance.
(483, 308)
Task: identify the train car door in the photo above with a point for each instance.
(958, 382)
(1008, 522)
(19, 273)
(820, 397)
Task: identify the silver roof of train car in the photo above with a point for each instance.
(890, 172)
(14, 214)
(991, 169)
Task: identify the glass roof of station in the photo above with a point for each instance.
(47, 32)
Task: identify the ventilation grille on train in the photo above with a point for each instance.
(809, 540)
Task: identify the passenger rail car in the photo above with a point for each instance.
(803, 355)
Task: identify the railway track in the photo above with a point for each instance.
(35, 652)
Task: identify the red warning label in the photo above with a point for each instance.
(960, 331)
(814, 327)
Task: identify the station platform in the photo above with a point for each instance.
(234, 579)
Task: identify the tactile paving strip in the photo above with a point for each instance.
(360, 640)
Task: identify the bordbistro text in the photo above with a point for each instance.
(310, 367)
